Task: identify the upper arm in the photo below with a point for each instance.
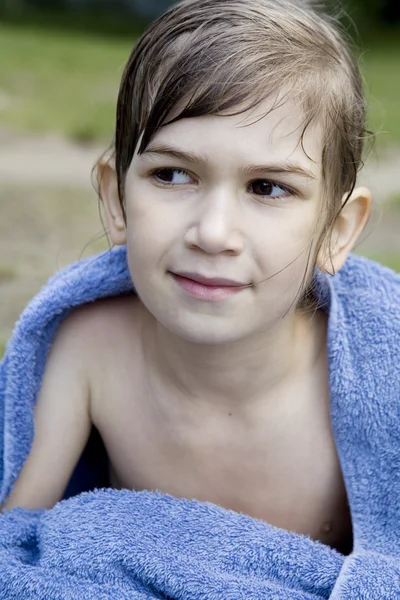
(62, 421)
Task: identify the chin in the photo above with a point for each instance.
(206, 330)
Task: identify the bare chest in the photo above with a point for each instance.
(281, 467)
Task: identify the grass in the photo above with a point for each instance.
(7, 273)
(394, 200)
(380, 67)
(55, 79)
(56, 227)
(388, 259)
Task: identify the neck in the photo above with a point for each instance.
(239, 372)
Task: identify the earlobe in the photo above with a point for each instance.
(346, 230)
(108, 185)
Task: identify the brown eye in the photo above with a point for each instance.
(172, 176)
(264, 187)
(166, 175)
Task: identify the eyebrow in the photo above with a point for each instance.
(280, 167)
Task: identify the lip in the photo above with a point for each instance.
(210, 289)
(219, 282)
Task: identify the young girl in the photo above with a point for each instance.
(239, 134)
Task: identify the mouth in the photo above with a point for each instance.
(208, 288)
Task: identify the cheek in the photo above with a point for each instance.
(152, 234)
(285, 236)
(151, 206)
(285, 254)
(147, 222)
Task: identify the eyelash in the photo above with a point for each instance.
(153, 174)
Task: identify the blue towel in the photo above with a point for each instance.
(109, 544)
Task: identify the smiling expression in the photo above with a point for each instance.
(223, 214)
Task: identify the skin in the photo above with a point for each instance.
(224, 401)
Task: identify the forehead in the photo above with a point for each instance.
(265, 132)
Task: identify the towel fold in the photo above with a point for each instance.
(123, 544)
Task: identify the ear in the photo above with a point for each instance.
(346, 230)
(108, 185)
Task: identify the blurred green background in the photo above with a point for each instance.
(60, 66)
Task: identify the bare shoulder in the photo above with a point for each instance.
(106, 334)
(97, 323)
(96, 334)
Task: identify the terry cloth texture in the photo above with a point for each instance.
(109, 544)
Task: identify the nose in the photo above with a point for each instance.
(215, 228)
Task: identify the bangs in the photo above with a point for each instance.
(201, 75)
(214, 57)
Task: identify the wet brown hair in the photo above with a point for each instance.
(207, 57)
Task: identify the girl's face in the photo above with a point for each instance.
(234, 203)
